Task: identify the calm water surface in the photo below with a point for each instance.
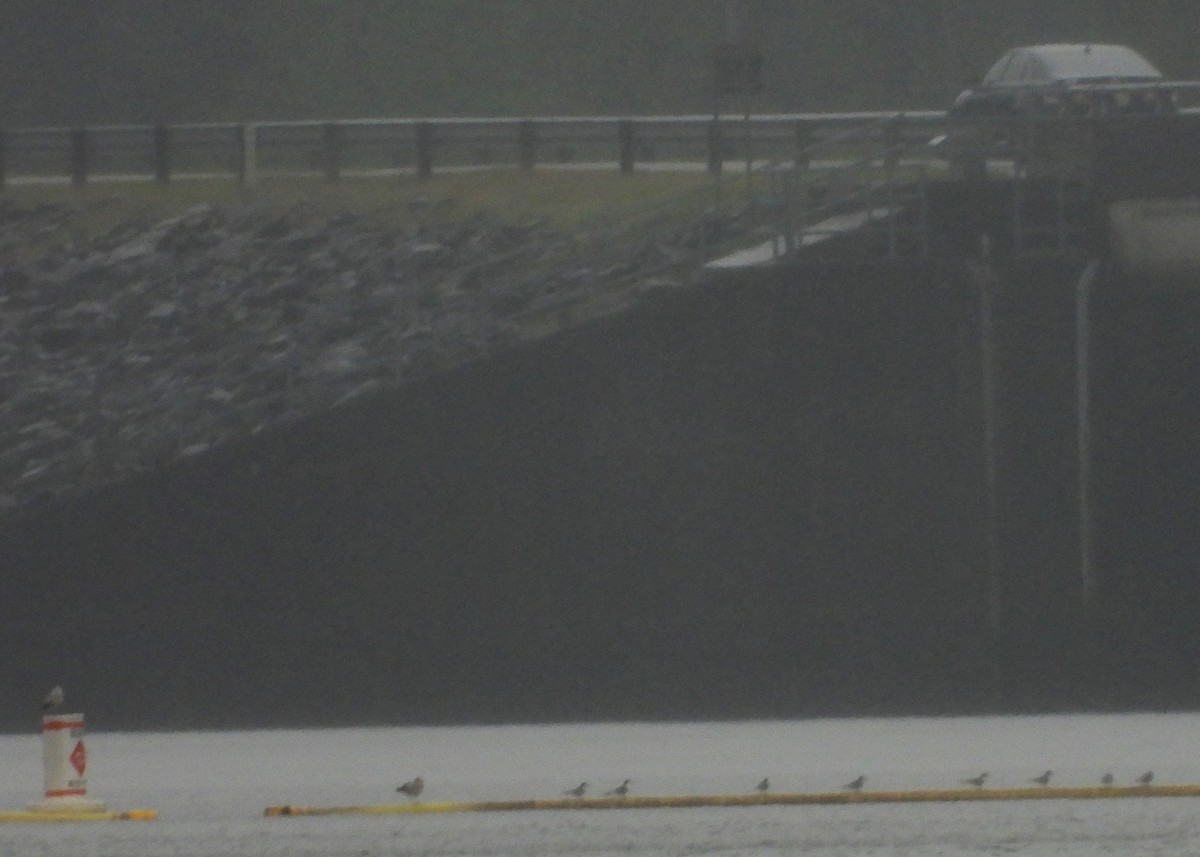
(211, 788)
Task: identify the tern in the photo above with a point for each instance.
(1044, 779)
(764, 785)
(1146, 778)
(976, 781)
(856, 784)
(1107, 779)
(619, 791)
(579, 791)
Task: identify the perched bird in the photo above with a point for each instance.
(1146, 778)
(1107, 779)
(619, 791)
(976, 781)
(1044, 779)
(579, 791)
(764, 785)
(412, 788)
(54, 699)
(856, 784)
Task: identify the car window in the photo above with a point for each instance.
(1076, 62)
(996, 73)
(1018, 69)
(1013, 68)
(1025, 67)
(1035, 70)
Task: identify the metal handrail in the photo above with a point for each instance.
(333, 147)
(870, 181)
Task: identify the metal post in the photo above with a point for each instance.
(923, 184)
(716, 145)
(331, 151)
(985, 279)
(774, 189)
(248, 161)
(749, 159)
(893, 213)
(804, 141)
(1018, 201)
(424, 141)
(1060, 194)
(625, 137)
(527, 144)
(79, 157)
(893, 136)
(162, 153)
(1083, 289)
(804, 212)
(789, 202)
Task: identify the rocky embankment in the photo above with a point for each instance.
(164, 340)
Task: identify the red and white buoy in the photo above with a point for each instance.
(64, 760)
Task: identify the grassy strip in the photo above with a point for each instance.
(559, 199)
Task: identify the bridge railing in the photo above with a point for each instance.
(857, 177)
(1047, 177)
(333, 149)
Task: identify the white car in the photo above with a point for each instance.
(1068, 79)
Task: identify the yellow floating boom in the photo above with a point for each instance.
(29, 815)
(768, 799)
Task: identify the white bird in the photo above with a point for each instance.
(412, 788)
(54, 699)
(976, 781)
(579, 791)
(619, 791)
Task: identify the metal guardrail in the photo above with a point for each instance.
(335, 148)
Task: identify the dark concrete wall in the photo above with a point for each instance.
(760, 497)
